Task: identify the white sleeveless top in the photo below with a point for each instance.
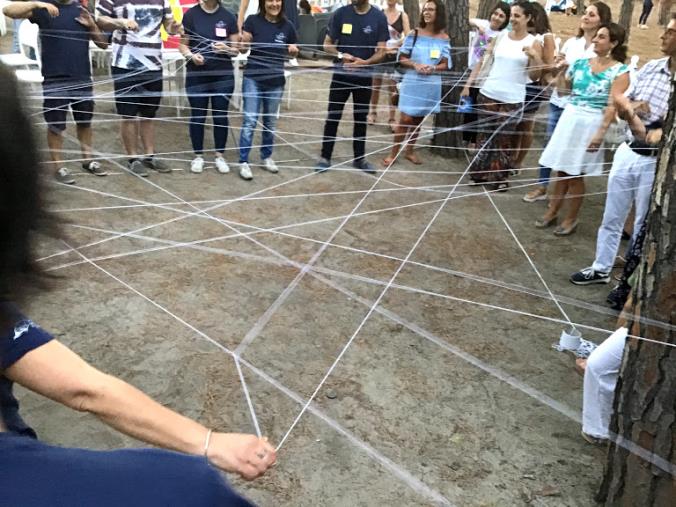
(507, 79)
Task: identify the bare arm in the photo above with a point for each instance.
(108, 24)
(56, 372)
(477, 68)
(535, 63)
(85, 19)
(24, 10)
(243, 6)
(406, 22)
(616, 99)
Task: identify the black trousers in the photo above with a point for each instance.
(342, 86)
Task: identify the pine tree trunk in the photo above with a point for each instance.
(449, 143)
(485, 8)
(626, 13)
(645, 397)
(412, 8)
(580, 5)
(665, 12)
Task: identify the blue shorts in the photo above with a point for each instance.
(62, 94)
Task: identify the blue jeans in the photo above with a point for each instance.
(555, 113)
(255, 95)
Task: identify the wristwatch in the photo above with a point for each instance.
(339, 55)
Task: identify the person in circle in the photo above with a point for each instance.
(356, 36)
(425, 54)
(574, 149)
(398, 26)
(210, 40)
(515, 58)
(271, 39)
(486, 30)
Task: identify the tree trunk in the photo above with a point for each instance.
(449, 143)
(626, 13)
(412, 8)
(645, 397)
(665, 12)
(485, 8)
(580, 6)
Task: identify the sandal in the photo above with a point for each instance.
(393, 125)
(543, 223)
(503, 186)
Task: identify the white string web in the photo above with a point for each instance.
(365, 198)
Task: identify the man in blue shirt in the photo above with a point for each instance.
(65, 31)
(356, 35)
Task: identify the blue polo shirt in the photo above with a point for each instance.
(358, 34)
(203, 29)
(16, 340)
(269, 48)
(64, 42)
(34, 474)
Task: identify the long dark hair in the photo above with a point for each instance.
(540, 21)
(504, 7)
(617, 34)
(262, 12)
(22, 211)
(440, 18)
(605, 15)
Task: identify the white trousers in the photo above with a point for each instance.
(600, 378)
(631, 179)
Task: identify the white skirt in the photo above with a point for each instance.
(567, 148)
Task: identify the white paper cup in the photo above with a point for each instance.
(570, 338)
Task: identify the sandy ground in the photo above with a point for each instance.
(448, 391)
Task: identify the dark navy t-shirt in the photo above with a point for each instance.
(269, 48)
(64, 43)
(204, 29)
(358, 34)
(16, 341)
(34, 474)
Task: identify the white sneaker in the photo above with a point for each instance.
(197, 165)
(221, 165)
(270, 166)
(245, 171)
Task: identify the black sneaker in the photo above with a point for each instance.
(156, 165)
(137, 167)
(588, 276)
(95, 168)
(63, 176)
(364, 165)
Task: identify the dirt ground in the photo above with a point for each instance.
(448, 391)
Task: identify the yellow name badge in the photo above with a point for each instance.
(435, 53)
(347, 29)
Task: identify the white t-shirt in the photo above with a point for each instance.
(480, 42)
(508, 76)
(573, 50)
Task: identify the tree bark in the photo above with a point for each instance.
(645, 397)
(580, 6)
(485, 8)
(412, 8)
(665, 12)
(449, 143)
(626, 13)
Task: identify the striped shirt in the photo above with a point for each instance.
(652, 84)
(142, 49)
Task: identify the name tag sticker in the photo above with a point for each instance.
(435, 53)
(221, 32)
(347, 29)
